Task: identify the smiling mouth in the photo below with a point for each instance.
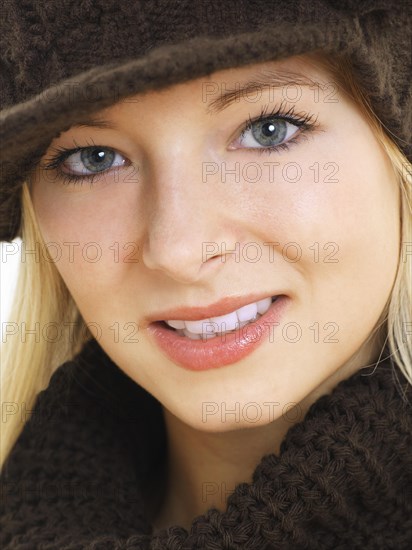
(206, 329)
(216, 345)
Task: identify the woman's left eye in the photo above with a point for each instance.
(274, 131)
(267, 133)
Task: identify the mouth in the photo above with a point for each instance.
(222, 307)
(211, 327)
(222, 340)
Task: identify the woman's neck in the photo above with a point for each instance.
(203, 468)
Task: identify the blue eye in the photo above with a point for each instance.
(269, 133)
(84, 163)
(274, 131)
(89, 161)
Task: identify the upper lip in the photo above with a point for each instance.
(221, 307)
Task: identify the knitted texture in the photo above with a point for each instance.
(74, 479)
(63, 60)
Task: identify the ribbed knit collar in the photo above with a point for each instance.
(75, 477)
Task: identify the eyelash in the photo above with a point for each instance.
(304, 122)
(61, 154)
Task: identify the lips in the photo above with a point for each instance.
(224, 349)
(222, 307)
(208, 328)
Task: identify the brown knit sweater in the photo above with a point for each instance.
(77, 476)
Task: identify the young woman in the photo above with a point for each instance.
(219, 254)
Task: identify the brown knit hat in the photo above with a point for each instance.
(62, 60)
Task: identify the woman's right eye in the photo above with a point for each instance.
(84, 162)
(92, 160)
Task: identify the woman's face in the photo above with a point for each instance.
(185, 211)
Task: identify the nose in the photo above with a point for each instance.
(185, 224)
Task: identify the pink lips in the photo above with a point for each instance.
(225, 349)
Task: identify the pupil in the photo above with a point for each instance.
(97, 160)
(270, 133)
(268, 129)
(100, 155)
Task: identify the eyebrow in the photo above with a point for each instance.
(94, 123)
(265, 79)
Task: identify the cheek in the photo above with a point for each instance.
(338, 188)
(90, 233)
(353, 232)
(360, 211)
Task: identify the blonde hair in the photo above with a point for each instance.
(42, 296)
(42, 302)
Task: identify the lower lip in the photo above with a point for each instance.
(222, 350)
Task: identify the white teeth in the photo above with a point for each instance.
(176, 324)
(208, 328)
(248, 312)
(206, 336)
(196, 327)
(263, 305)
(225, 322)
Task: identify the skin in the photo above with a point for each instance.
(168, 212)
